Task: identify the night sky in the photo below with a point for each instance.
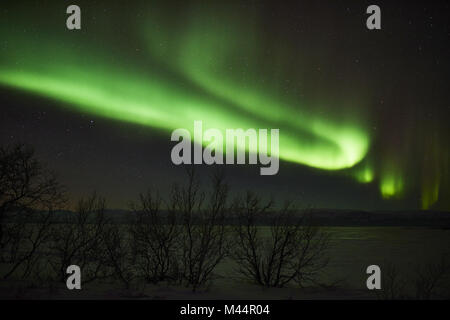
(363, 115)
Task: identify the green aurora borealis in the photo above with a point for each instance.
(211, 66)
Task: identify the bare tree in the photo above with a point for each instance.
(433, 280)
(392, 284)
(80, 240)
(28, 195)
(202, 239)
(428, 281)
(294, 251)
(154, 239)
(118, 255)
(27, 236)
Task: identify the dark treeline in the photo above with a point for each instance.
(316, 217)
(176, 240)
(179, 239)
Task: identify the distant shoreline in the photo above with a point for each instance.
(325, 217)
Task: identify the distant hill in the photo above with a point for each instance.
(333, 217)
(328, 217)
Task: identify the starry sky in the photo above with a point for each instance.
(363, 115)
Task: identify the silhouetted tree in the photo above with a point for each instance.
(294, 251)
(154, 239)
(202, 239)
(80, 240)
(28, 195)
(432, 281)
(392, 284)
(428, 281)
(118, 255)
